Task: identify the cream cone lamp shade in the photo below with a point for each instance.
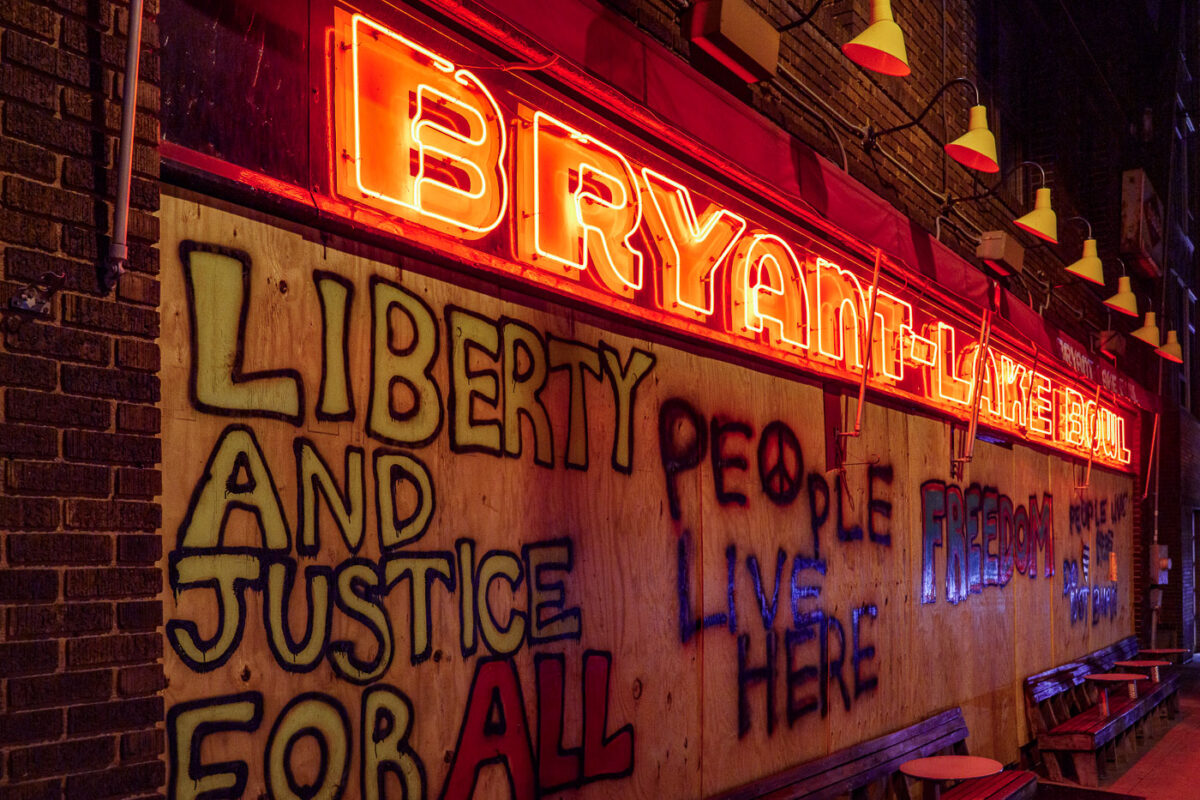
(1088, 266)
(1171, 350)
(1148, 333)
(976, 149)
(881, 46)
(1123, 301)
(1042, 221)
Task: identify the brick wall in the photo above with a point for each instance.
(79, 648)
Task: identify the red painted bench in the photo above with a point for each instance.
(874, 764)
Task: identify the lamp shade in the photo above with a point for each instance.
(881, 46)
(1123, 301)
(1042, 221)
(1148, 333)
(1088, 266)
(1171, 350)
(976, 149)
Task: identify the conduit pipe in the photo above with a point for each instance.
(118, 248)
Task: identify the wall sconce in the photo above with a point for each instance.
(1170, 349)
(1041, 222)
(1149, 333)
(881, 46)
(975, 149)
(1088, 266)
(1123, 301)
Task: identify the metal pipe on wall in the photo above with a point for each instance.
(118, 248)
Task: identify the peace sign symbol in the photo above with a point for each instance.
(779, 463)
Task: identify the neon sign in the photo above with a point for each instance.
(425, 142)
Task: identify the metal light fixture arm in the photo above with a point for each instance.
(805, 16)
(950, 202)
(870, 136)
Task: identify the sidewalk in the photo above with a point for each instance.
(1169, 769)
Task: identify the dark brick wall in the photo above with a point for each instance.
(80, 678)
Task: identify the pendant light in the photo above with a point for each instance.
(1123, 301)
(1042, 221)
(1170, 349)
(976, 149)
(1149, 333)
(880, 47)
(1088, 266)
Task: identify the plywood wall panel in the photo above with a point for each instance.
(614, 574)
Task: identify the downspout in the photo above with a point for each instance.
(118, 248)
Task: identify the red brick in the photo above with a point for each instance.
(62, 758)
(29, 87)
(28, 586)
(53, 61)
(29, 17)
(58, 478)
(137, 354)
(86, 39)
(24, 371)
(60, 410)
(63, 344)
(110, 515)
(81, 242)
(26, 440)
(23, 229)
(43, 790)
(116, 582)
(108, 448)
(27, 513)
(97, 651)
(117, 781)
(143, 615)
(27, 658)
(139, 549)
(86, 175)
(59, 549)
(65, 688)
(88, 312)
(141, 681)
(143, 226)
(141, 746)
(48, 201)
(115, 383)
(138, 419)
(30, 265)
(145, 161)
(26, 159)
(35, 726)
(63, 619)
(117, 715)
(139, 289)
(144, 258)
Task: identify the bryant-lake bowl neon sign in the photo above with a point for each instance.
(424, 141)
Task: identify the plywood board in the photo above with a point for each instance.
(424, 534)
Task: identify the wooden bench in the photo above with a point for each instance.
(1102, 660)
(1071, 735)
(875, 764)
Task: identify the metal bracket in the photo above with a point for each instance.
(967, 443)
(867, 343)
(34, 299)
